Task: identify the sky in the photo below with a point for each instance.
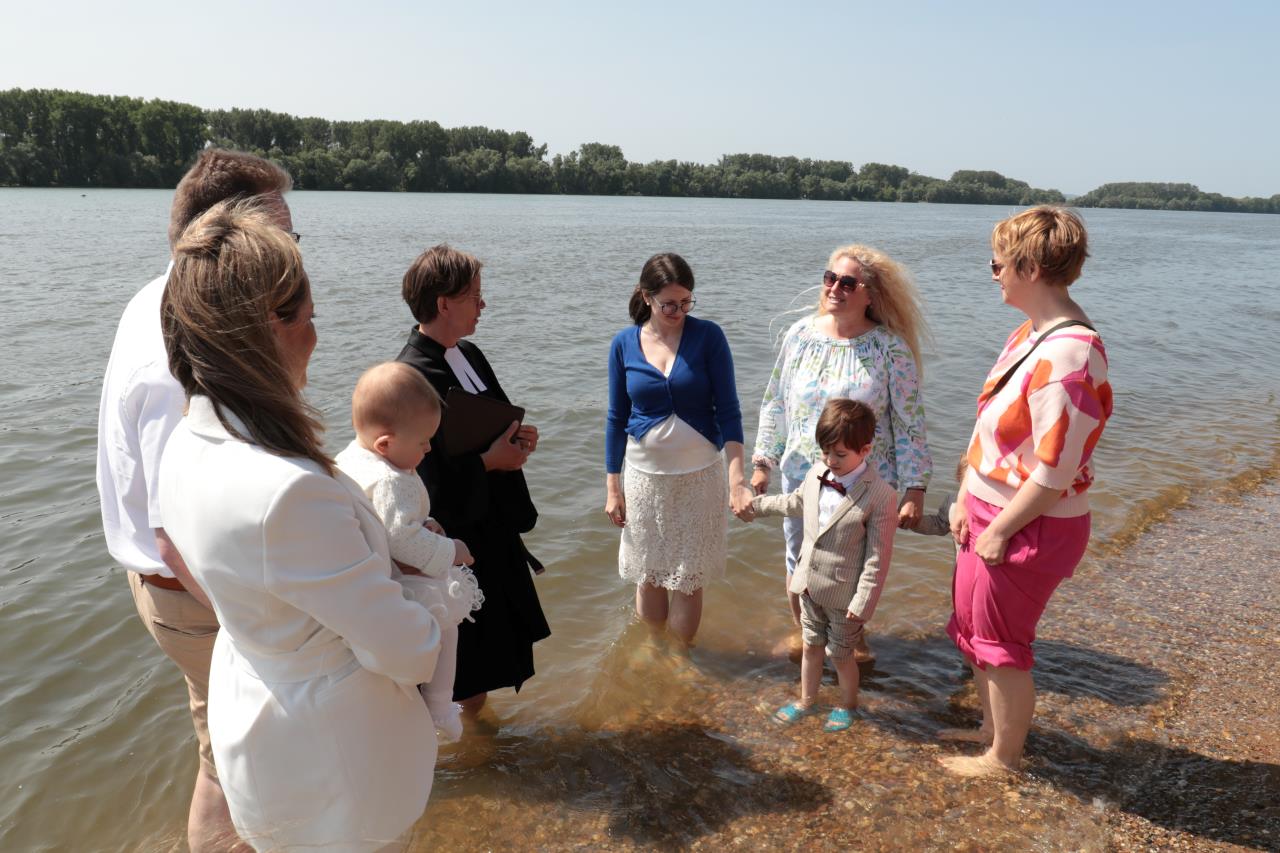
(1062, 95)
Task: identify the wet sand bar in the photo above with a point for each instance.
(1158, 727)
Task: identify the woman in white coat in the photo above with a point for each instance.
(319, 735)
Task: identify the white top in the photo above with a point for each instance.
(319, 734)
(141, 404)
(671, 447)
(829, 498)
(463, 370)
(449, 591)
(401, 501)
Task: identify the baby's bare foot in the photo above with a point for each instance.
(976, 766)
(983, 736)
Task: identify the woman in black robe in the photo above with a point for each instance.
(479, 497)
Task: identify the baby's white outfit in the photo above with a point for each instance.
(449, 591)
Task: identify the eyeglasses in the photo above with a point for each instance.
(847, 283)
(996, 267)
(671, 308)
(297, 238)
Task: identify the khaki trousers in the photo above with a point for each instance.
(185, 630)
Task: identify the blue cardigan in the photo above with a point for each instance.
(701, 389)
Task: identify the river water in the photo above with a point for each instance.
(95, 744)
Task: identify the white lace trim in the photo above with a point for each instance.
(676, 527)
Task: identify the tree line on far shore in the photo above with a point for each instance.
(58, 138)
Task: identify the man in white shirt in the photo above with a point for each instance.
(141, 404)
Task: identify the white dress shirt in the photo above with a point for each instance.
(829, 498)
(141, 404)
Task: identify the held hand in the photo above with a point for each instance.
(527, 437)
(740, 502)
(434, 526)
(503, 455)
(991, 547)
(960, 524)
(760, 480)
(615, 506)
(911, 510)
(462, 554)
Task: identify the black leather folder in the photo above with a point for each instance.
(473, 421)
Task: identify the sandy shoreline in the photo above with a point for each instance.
(1156, 728)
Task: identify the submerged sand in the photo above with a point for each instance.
(1158, 727)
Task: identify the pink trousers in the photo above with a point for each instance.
(996, 607)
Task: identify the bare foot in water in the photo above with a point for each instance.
(975, 766)
(982, 736)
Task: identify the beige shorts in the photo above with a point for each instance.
(185, 630)
(824, 626)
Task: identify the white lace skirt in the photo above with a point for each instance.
(675, 532)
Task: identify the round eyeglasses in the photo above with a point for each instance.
(670, 309)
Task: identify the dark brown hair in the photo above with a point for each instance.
(1052, 238)
(847, 422)
(389, 394)
(659, 271)
(233, 272)
(439, 271)
(218, 175)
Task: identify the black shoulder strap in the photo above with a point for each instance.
(1004, 380)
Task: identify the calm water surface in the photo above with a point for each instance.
(95, 747)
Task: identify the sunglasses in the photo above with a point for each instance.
(847, 283)
(996, 267)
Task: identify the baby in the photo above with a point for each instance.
(850, 517)
(395, 412)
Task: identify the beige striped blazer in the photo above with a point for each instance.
(844, 564)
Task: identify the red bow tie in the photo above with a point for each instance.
(828, 480)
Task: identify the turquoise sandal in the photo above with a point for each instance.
(838, 720)
(791, 712)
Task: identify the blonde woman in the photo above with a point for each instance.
(862, 342)
(319, 734)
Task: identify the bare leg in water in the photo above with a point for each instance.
(984, 734)
(209, 826)
(1013, 704)
(472, 705)
(677, 612)
(791, 646)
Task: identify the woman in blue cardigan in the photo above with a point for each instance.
(673, 407)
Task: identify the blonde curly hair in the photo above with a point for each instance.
(895, 302)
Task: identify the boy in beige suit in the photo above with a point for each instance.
(850, 516)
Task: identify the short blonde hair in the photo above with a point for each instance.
(1049, 237)
(387, 395)
(895, 304)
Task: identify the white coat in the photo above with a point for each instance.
(320, 738)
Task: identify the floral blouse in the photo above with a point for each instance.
(877, 368)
